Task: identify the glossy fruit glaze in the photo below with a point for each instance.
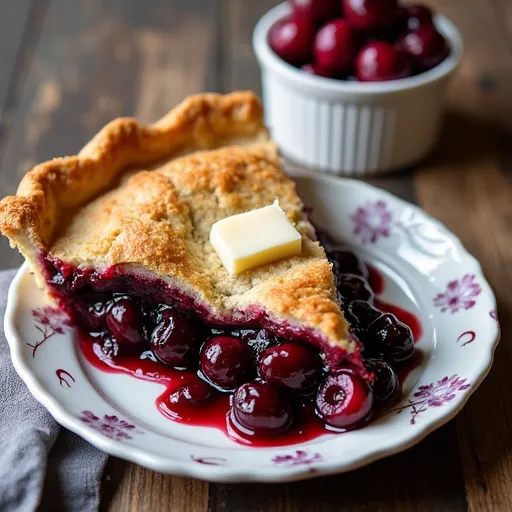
(259, 388)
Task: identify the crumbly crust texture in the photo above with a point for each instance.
(128, 199)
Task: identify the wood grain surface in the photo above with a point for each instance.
(68, 67)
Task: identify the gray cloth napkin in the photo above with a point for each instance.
(42, 465)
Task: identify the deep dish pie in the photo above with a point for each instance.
(119, 236)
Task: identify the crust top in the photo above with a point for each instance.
(90, 210)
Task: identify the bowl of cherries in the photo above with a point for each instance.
(355, 86)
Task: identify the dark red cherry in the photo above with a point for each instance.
(361, 314)
(177, 339)
(193, 394)
(391, 338)
(351, 287)
(370, 15)
(380, 61)
(335, 46)
(385, 385)
(258, 408)
(425, 47)
(344, 400)
(93, 316)
(316, 11)
(292, 39)
(315, 69)
(226, 362)
(291, 366)
(347, 262)
(125, 321)
(416, 16)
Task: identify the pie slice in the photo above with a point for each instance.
(132, 213)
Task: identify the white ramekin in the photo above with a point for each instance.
(351, 127)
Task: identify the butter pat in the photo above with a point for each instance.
(255, 238)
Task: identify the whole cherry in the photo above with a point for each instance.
(389, 338)
(176, 339)
(258, 408)
(93, 316)
(385, 384)
(226, 362)
(380, 61)
(351, 287)
(292, 39)
(335, 46)
(316, 11)
(371, 15)
(125, 321)
(291, 366)
(344, 400)
(361, 313)
(425, 47)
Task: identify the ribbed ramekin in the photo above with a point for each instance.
(352, 128)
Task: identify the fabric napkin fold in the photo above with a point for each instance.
(42, 465)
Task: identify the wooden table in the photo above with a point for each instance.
(69, 66)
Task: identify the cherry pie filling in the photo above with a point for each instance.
(261, 385)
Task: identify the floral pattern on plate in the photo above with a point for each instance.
(372, 221)
(434, 394)
(460, 294)
(299, 457)
(48, 321)
(110, 426)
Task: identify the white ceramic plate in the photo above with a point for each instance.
(427, 271)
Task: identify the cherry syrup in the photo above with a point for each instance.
(216, 412)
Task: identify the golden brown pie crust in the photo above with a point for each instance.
(100, 209)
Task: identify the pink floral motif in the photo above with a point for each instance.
(48, 321)
(110, 426)
(459, 294)
(434, 395)
(297, 458)
(494, 314)
(372, 221)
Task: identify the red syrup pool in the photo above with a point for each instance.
(215, 414)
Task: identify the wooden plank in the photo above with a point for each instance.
(13, 33)
(464, 186)
(239, 62)
(134, 488)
